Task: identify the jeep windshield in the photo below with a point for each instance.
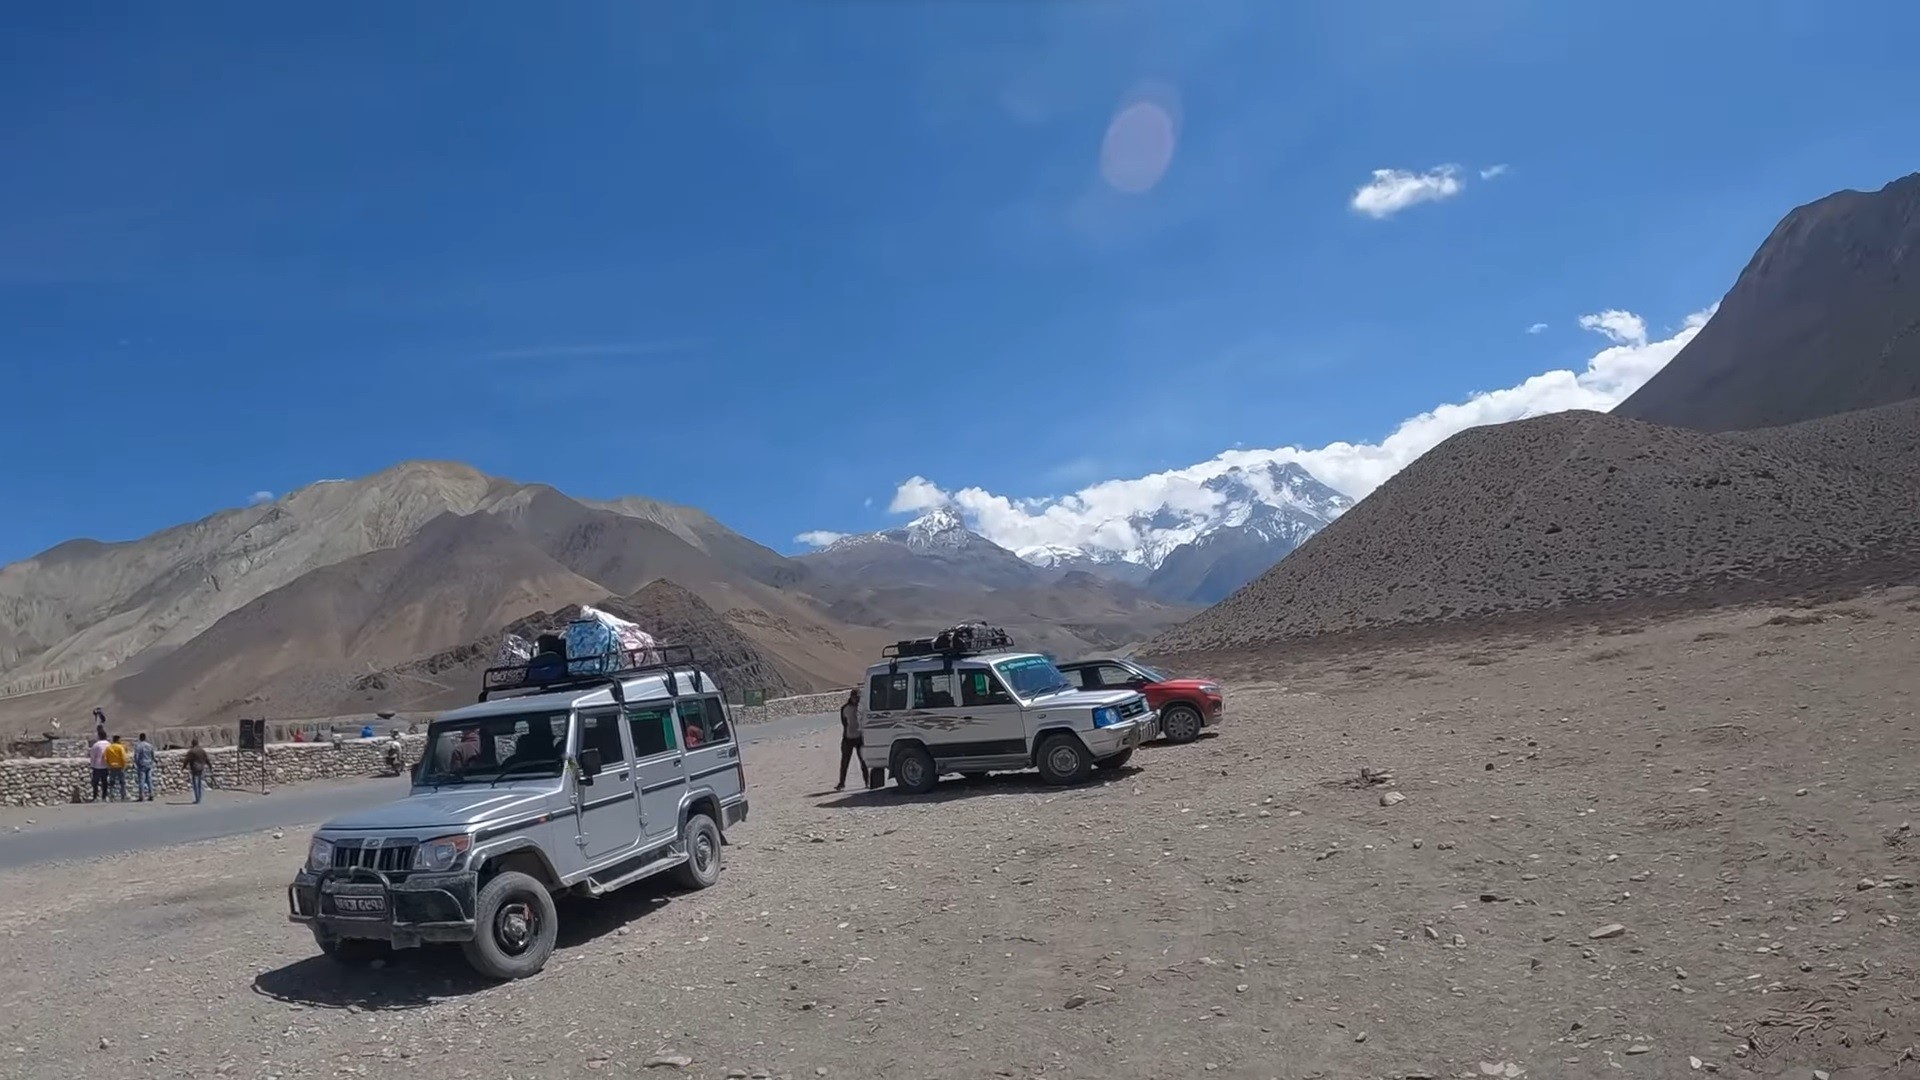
(486, 749)
(1032, 676)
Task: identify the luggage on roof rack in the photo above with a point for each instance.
(552, 669)
(965, 639)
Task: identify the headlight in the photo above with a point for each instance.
(319, 854)
(1105, 717)
(441, 853)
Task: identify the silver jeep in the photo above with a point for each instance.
(569, 777)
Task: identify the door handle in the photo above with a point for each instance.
(623, 775)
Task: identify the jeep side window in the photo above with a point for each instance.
(979, 687)
(1081, 677)
(652, 730)
(699, 728)
(602, 732)
(887, 692)
(717, 729)
(1113, 675)
(933, 690)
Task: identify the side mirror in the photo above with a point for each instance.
(590, 763)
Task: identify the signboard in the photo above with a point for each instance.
(753, 697)
(253, 734)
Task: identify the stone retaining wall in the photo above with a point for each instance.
(799, 705)
(52, 781)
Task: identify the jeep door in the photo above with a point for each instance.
(659, 769)
(609, 821)
(989, 724)
(713, 755)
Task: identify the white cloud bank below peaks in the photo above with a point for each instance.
(1098, 517)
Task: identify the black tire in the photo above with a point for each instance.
(351, 952)
(516, 925)
(1115, 761)
(914, 770)
(1063, 759)
(701, 837)
(973, 777)
(1180, 724)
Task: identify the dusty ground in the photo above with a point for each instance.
(1723, 787)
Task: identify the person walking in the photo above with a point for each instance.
(198, 766)
(97, 756)
(850, 738)
(143, 759)
(117, 758)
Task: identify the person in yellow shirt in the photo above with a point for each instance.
(117, 758)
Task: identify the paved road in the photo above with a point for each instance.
(116, 827)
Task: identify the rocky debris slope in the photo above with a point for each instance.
(1581, 509)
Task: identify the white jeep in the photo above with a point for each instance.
(930, 711)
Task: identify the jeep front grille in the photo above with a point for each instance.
(1131, 709)
(387, 859)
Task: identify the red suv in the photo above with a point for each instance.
(1186, 705)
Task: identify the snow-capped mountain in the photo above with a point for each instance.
(936, 549)
(1255, 516)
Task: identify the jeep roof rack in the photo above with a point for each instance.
(966, 639)
(552, 672)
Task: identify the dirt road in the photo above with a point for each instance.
(1733, 792)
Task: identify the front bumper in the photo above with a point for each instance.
(404, 910)
(1119, 738)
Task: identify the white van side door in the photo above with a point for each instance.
(997, 728)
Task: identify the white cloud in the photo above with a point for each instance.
(1393, 190)
(1537, 328)
(1621, 327)
(1493, 171)
(259, 497)
(1096, 516)
(819, 538)
(917, 494)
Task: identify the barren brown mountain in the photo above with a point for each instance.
(1583, 509)
(1824, 319)
(451, 677)
(1076, 616)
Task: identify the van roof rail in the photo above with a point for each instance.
(554, 672)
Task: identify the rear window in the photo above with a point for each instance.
(887, 691)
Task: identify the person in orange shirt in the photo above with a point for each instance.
(117, 758)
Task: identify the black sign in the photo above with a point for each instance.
(253, 734)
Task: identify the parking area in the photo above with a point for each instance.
(1247, 906)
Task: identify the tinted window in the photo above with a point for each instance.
(1115, 675)
(979, 687)
(887, 692)
(602, 732)
(933, 690)
(652, 730)
(718, 729)
(1080, 677)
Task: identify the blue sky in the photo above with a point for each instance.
(774, 258)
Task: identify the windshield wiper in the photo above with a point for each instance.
(439, 779)
(511, 766)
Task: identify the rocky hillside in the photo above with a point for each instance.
(1825, 319)
(1583, 509)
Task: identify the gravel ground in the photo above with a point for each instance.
(1731, 791)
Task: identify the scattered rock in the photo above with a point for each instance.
(1392, 798)
(1074, 1002)
(1800, 793)
(1865, 883)
(1432, 934)
(1639, 1048)
(1417, 842)
(669, 1061)
(1611, 930)
(1694, 1063)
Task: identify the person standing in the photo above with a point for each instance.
(143, 759)
(97, 755)
(850, 738)
(117, 758)
(198, 765)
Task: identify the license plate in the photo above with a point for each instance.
(360, 905)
